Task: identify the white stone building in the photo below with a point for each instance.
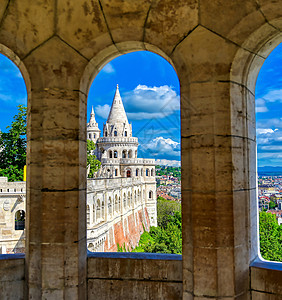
(122, 194)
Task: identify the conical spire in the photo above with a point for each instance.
(117, 113)
(92, 121)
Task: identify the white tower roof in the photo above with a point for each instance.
(117, 113)
(92, 122)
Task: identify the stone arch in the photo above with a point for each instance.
(244, 71)
(130, 155)
(20, 220)
(128, 172)
(124, 153)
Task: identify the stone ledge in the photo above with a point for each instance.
(134, 255)
(266, 277)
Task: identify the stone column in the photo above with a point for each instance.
(215, 261)
(56, 178)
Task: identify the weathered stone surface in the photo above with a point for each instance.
(210, 43)
(26, 26)
(214, 56)
(55, 65)
(82, 25)
(130, 15)
(169, 22)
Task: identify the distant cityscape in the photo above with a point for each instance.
(168, 182)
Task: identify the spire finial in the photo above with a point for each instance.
(117, 86)
(92, 111)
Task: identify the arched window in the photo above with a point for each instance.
(135, 153)
(20, 220)
(141, 172)
(106, 133)
(130, 154)
(116, 172)
(128, 173)
(110, 154)
(94, 135)
(150, 194)
(147, 172)
(125, 133)
(89, 136)
(152, 172)
(115, 133)
(115, 154)
(137, 172)
(124, 154)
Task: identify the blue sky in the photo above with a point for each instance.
(268, 110)
(149, 88)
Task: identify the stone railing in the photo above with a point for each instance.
(118, 140)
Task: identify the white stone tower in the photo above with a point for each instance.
(117, 151)
(93, 131)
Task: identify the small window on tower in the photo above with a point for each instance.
(115, 133)
(116, 172)
(89, 136)
(106, 133)
(94, 135)
(115, 154)
(125, 133)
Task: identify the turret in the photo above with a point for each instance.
(93, 131)
(117, 124)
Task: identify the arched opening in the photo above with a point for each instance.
(269, 164)
(130, 154)
(150, 195)
(20, 220)
(15, 87)
(110, 154)
(157, 110)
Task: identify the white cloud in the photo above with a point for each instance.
(273, 96)
(103, 110)
(109, 69)
(146, 102)
(265, 130)
(261, 106)
(167, 162)
(161, 145)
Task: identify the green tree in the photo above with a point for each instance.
(165, 209)
(13, 147)
(92, 161)
(270, 237)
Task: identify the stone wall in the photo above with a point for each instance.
(217, 49)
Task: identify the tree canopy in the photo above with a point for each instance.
(270, 237)
(92, 162)
(13, 147)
